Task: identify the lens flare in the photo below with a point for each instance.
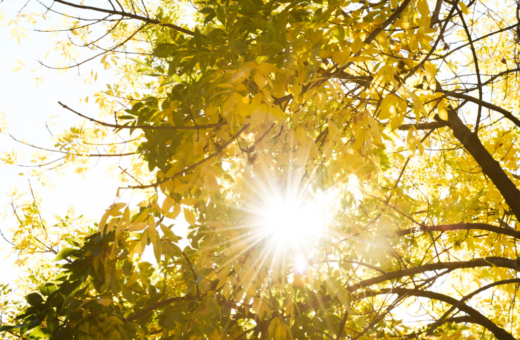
(291, 223)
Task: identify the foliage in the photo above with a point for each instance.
(394, 122)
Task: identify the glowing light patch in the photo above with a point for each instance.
(300, 264)
(291, 223)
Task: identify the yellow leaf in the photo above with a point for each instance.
(189, 201)
(133, 279)
(387, 106)
(340, 57)
(167, 204)
(104, 302)
(276, 114)
(144, 241)
(169, 234)
(463, 7)
(422, 7)
(356, 45)
(258, 116)
(17, 68)
(189, 216)
(143, 204)
(175, 213)
(276, 330)
(443, 114)
(116, 319)
(301, 135)
(296, 90)
(266, 68)
(181, 189)
(260, 80)
(103, 221)
(138, 226)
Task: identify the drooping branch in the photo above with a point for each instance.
(145, 127)
(489, 165)
(193, 166)
(399, 274)
(483, 103)
(433, 326)
(476, 316)
(127, 15)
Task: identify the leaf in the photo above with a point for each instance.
(63, 254)
(463, 7)
(47, 288)
(443, 113)
(190, 201)
(138, 226)
(165, 50)
(34, 299)
(357, 45)
(169, 234)
(198, 38)
(260, 80)
(276, 330)
(190, 217)
(168, 203)
(259, 116)
(221, 14)
(104, 302)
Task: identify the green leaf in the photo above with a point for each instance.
(34, 299)
(198, 38)
(221, 14)
(63, 254)
(165, 50)
(47, 288)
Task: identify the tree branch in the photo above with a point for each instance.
(477, 317)
(483, 103)
(398, 274)
(128, 15)
(463, 226)
(489, 165)
(423, 126)
(145, 127)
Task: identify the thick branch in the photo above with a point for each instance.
(489, 165)
(483, 103)
(476, 316)
(433, 326)
(484, 262)
(463, 226)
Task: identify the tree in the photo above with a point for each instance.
(337, 161)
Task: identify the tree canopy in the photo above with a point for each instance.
(340, 164)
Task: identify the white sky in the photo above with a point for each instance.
(27, 109)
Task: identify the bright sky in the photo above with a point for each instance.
(27, 109)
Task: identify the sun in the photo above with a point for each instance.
(291, 222)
